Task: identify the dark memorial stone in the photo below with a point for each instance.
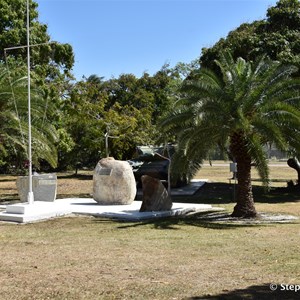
(155, 195)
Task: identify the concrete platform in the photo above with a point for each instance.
(42, 210)
(25, 213)
(131, 212)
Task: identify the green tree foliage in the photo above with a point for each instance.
(126, 108)
(82, 122)
(51, 63)
(14, 122)
(129, 127)
(13, 33)
(129, 90)
(146, 99)
(277, 36)
(249, 105)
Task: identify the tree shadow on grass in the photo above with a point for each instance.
(63, 196)
(198, 220)
(75, 176)
(9, 199)
(224, 193)
(254, 292)
(7, 179)
(276, 195)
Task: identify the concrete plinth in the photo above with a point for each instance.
(43, 185)
(24, 213)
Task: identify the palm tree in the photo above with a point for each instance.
(95, 79)
(241, 110)
(14, 119)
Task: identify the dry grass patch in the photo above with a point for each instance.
(88, 258)
(176, 258)
(218, 171)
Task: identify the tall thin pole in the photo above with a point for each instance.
(30, 196)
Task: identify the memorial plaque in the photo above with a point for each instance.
(47, 182)
(105, 172)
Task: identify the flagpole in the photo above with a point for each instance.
(30, 196)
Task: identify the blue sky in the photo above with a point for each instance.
(111, 37)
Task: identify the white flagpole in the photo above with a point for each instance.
(30, 196)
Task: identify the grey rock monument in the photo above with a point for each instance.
(113, 182)
(155, 195)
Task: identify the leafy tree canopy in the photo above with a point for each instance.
(13, 33)
(51, 63)
(127, 108)
(277, 36)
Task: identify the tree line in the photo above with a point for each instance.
(71, 118)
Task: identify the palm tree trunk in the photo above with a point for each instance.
(245, 203)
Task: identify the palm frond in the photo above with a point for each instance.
(259, 158)
(14, 117)
(259, 100)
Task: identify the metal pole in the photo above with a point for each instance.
(106, 144)
(30, 196)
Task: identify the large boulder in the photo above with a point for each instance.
(113, 182)
(155, 195)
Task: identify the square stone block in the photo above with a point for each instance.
(44, 187)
